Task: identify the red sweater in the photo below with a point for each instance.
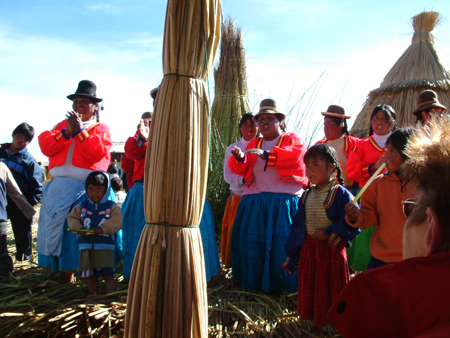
(365, 153)
(286, 156)
(381, 206)
(407, 299)
(128, 167)
(135, 148)
(92, 146)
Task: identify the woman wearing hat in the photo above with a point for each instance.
(364, 160)
(75, 147)
(428, 105)
(274, 175)
(336, 136)
(248, 130)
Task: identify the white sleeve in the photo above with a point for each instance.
(230, 177)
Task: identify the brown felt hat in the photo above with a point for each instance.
(336, 111)
(268, 106)
(154, 92)
(428, 99)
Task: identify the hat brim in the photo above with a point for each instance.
(93, 98)
(268, 111)
(336, 115)
(431, 105)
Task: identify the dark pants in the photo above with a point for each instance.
(6, 263)
(22, 230)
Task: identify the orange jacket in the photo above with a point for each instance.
(381, 206)
(349, 143)
(92, 146)
(286, 156)
(365, 153)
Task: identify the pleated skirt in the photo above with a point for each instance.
(208, 234)
(227, 226)
(323, 273)
(258, 241)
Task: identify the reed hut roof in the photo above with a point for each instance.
(418, 69)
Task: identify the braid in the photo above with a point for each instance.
(329, 154)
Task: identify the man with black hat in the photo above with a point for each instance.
(428, 106)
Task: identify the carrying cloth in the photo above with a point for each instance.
(58, 197)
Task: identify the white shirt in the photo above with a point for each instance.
(234, 180)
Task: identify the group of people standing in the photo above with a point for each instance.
(294, 208)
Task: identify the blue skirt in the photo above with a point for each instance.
(208, 233)
(133, 224)
(69, 257)
(258, 241)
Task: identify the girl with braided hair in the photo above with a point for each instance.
(318, 236)
(381, 204)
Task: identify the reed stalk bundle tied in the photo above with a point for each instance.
(418, 69)
(167, 294)
(230, 103)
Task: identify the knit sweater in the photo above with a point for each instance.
(381, 206)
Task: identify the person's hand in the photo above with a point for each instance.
(238, 154)
(352, 212)
(320, 234)
(144, 129)
(82, 233)
(377, 164)
(98, 230)
(258, 152)
(74, 123)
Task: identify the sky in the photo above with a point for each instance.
(326, 52)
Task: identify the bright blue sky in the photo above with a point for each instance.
(47, 47)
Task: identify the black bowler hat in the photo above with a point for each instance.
(86, 89)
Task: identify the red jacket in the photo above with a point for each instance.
(128, 167)
(349, 143)
(286, 156)
(135, 148)
(407, 299)
(92, 146)
(365, 153)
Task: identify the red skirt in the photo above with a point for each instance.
(322, 274)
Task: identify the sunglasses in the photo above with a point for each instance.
(408, 206)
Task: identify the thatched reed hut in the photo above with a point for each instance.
(418, 69)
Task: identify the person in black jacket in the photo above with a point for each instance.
(27, 173)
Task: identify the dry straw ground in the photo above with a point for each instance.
(35, 303)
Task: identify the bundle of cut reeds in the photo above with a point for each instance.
(167, 290)
(418, 69)
(230, 103)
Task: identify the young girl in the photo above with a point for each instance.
(381, 204)
(316, 241)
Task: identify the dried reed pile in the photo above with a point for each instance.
(167, 289)
(418, 69)
(35, 304)
(230, 103)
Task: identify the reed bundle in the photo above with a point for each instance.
(418, 69)
(230, 103)
(167, 290)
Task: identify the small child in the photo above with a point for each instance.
(105, 218)
(117, 187)
(318, 235)
(381, 204)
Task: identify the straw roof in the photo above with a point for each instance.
(418, 69)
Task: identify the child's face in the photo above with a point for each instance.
(96, 192)
(19, 142)
(319, 171)
(392, 159)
